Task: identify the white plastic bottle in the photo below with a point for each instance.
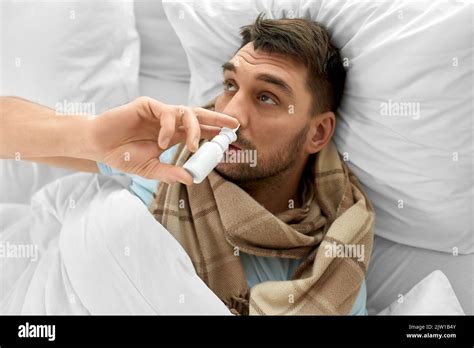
(208, 156)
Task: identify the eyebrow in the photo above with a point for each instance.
(228, 66)
(275, 80)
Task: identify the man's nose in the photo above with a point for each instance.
(237, 107)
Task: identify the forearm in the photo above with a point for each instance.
(77, 164)
(129, 138)
(29, 131)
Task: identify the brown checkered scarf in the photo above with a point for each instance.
(215, 220)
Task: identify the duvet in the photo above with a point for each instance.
(86, 245)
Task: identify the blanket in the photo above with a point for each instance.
(86, 245)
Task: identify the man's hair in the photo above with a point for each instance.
(306, 42)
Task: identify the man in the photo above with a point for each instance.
(260, 237)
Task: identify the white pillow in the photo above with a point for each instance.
(77, 56)
(433, 295)
(162, 54)
(417, 169)
(164, 72)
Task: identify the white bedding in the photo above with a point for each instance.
(395, 268)
(94, 248)
(433, 295)
(417, 174)
(164, 72)
(99, 252)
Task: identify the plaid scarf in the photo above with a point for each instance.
(216, 220)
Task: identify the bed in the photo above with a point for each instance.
(424, 247)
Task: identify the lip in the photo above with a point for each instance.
(234, 147)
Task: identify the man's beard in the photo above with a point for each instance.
(270, 165)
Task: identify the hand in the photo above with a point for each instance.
(131, 137)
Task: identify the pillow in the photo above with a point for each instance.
(433, 295)
(164, 72)
(162, 55)
(74, 56)
(405, 123)
(396, 268)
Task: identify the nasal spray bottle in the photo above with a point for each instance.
(208, 156)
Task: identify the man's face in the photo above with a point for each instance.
(267, 93)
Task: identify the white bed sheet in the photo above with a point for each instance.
(395, 268)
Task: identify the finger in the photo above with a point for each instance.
(207, 132)
(167, 126)
(169, 173)
(213, 118)
(192, 129)
(153, 107)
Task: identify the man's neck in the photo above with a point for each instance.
(278, 193)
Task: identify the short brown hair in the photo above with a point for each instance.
(307, 42)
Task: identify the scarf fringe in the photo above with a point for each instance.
(239, 305)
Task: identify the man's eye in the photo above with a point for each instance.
(266, 99)
(229, 86)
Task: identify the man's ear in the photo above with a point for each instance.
(321, 130)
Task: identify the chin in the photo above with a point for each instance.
(229, 171)
(232, 171)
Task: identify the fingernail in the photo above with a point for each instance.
(165, 142)
(196, 144)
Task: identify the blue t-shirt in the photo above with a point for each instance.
(257, 269)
